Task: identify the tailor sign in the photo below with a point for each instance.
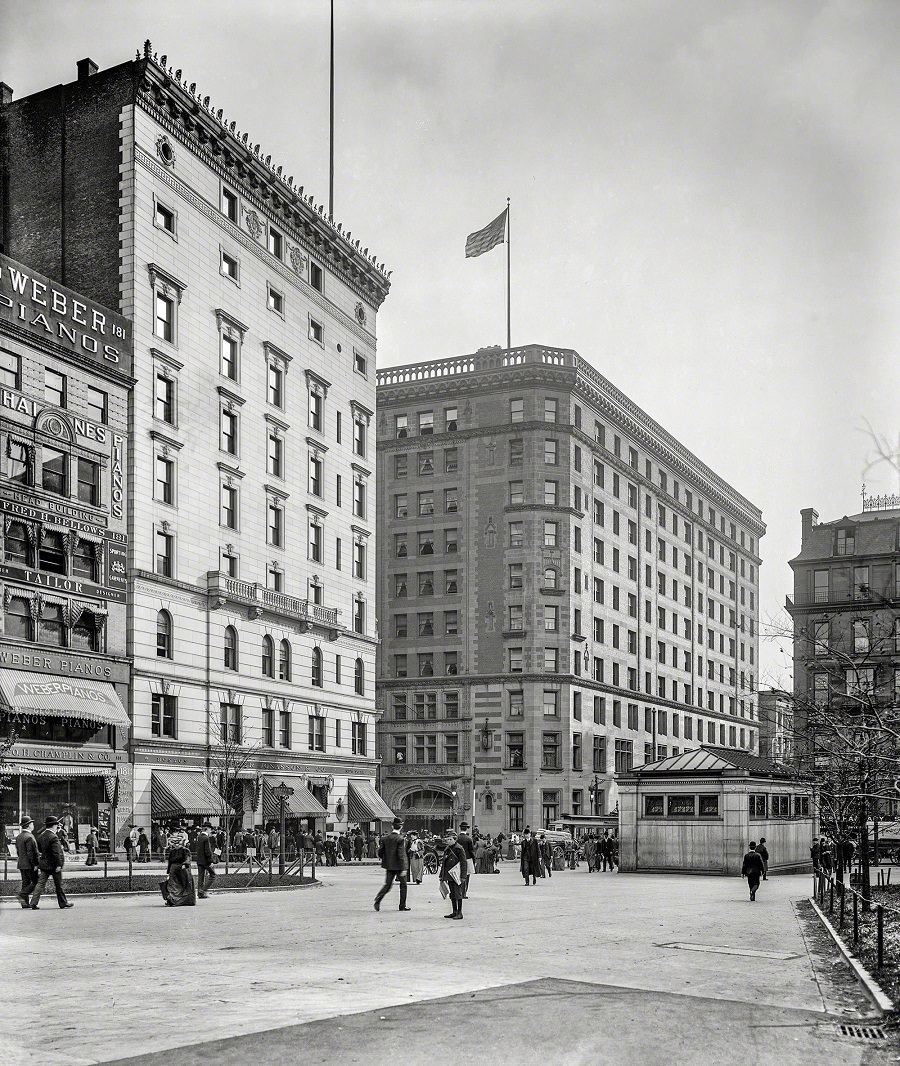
(55, 313)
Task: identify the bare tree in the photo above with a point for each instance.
(230, 762)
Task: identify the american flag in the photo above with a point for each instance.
(485, 239)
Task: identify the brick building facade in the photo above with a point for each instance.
(565, 591)
(251, 523)
(65, 380)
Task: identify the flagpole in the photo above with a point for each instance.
(508, 291)
(331, 122)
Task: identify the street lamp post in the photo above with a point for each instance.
(282, 793)
(594, 790)
(453, 798)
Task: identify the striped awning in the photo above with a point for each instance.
(365, 805)
(55, 696)
(302, 804)
(177, 792)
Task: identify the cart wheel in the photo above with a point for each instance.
(430, 863)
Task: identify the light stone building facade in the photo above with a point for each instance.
(565, 591)
(251, 552)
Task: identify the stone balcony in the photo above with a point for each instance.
(223, 589)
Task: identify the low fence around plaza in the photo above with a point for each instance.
(829, 891)
(115, 875)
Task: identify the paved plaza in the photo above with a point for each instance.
(600, 968)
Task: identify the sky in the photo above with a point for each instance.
(703, 198)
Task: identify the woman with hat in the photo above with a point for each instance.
(178, 889)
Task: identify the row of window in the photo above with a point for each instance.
(550, 413)
(277, 727)
(865, 636)
(425, 503)
(34, 547)
(881, 683)
(424, 748)
(53, 470)
(56, 624)
(92, 401)
(425, 463)
(425, 583)
(426, 542)
(423, 706)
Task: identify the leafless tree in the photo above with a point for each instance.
(230, 762)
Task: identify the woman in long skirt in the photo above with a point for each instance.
(178, 889)
(416, 859)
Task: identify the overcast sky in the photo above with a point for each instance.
(704, 196)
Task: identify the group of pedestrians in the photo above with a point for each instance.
(38, 858)
(536, 859)
(601, 852)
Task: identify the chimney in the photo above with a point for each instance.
(86, 67)
(6, 94)
(808, 519)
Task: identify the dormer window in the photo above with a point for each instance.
(845, 542)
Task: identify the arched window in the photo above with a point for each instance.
(164, 635)
(284, 661)
(317, 672)
(84, 560)
(268, 656)
(86, 632)
(52, 554)
(16, 546)
(17, 619)
(51, 628)
(359, 678)
(551, 577)
(231, 648)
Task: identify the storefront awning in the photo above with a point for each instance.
(302, 804)
(61, 697)
(177, 792)
(365, 805)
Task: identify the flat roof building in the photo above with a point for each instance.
(565, 591)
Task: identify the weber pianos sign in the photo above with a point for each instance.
(55, 313)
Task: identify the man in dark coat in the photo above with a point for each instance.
(395, 864)
(454, 856)
(530, 862)
(752, 869)
(763, 853)
(546, 855)
(51, 864)
(206, 860)
(28, 859)
(464, 841)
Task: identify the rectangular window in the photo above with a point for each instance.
(451, 748)
(165, 550)
(275, 300)
(229, 510)
(229, 436)
(228, 265)
(275, 385)
(516, 534)
(359, 743)
(164, 317)
(576, 751)
(275, 457)
(275, 523)
(54, 388)
(516, 492)
(276, 243)
(164, 401)
(230, 205)
(10, 370)
(516, 451)
(551, 703)
(359, 437)
(229, 353)
(515, 751)
(163, 716)
(54, 471)
(164, 218)
(551, 409)
(97, 405)
(599, 755)
(88, 481)
(268, 728)
(517, 410)
(624, 756)
(165, 480)
(316, 733)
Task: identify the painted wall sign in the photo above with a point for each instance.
(39, 509)
(11, 400)
(63, 663)
(53, 312)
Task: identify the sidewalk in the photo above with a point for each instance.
(683, 966)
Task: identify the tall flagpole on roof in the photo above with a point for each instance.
(331, 122)
(508, 290)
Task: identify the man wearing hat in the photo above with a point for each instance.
(468, 845)
(395, 864)
(51, 864)
(206, 860)
(28, 859)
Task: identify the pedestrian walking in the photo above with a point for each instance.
(826, 857)
(143, 846)
(91, 842)
(129, 845)
(453, 858)
(206, 860)
(50, 864)
(178, 889)
(464, 840)
(530, 861)
(752, 869)
(394, 863)
(814, 853)
(27, 860)
(763, 853)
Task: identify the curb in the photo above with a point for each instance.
(871, 987)
(149, 892)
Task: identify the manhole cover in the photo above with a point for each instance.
(862, 1032)
(718, 949)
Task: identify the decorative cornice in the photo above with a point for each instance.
(227, 394)
(316, 445)
(273, 351)
(181, 110)
(158, 274)
(231, 471)
(313, 378)
(279, 494)
(164, 438)
(169, 360)
(360, 409)
(276, 422)
(224, 316)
